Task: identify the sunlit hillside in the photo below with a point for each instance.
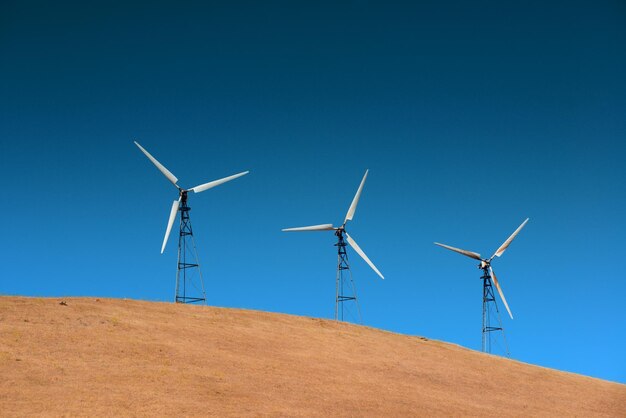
(105, 357)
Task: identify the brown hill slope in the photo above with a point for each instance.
(120, 357)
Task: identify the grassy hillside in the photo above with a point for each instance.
(111, 357)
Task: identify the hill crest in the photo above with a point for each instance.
(111, 357)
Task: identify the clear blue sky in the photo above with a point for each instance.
(469, 117)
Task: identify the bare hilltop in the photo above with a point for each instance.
(110, 357)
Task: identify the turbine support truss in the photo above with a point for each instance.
(345, 290)
(189, 283)
(489, 300)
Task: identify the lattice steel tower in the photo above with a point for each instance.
(489, 300)
(189, 283)
(345, 292)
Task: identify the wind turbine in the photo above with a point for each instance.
(342, 256)
(186, 243)
(488, 278)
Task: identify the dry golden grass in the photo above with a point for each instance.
(120, 357)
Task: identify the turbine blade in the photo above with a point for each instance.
(506, 244)
(323, 227)
(470, 254)
(214, 183)
(495, 281)
(358, 249)
(167, 173)
(355, 201)
(170, 222)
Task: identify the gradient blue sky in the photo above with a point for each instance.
(469, 117)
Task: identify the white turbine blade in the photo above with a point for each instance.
(171, 177)
(460, 251)
(506, 244)
(358, 249)
(355, 201)
(170, 222)
(323, 227)
(495, 281)
(214, 183)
